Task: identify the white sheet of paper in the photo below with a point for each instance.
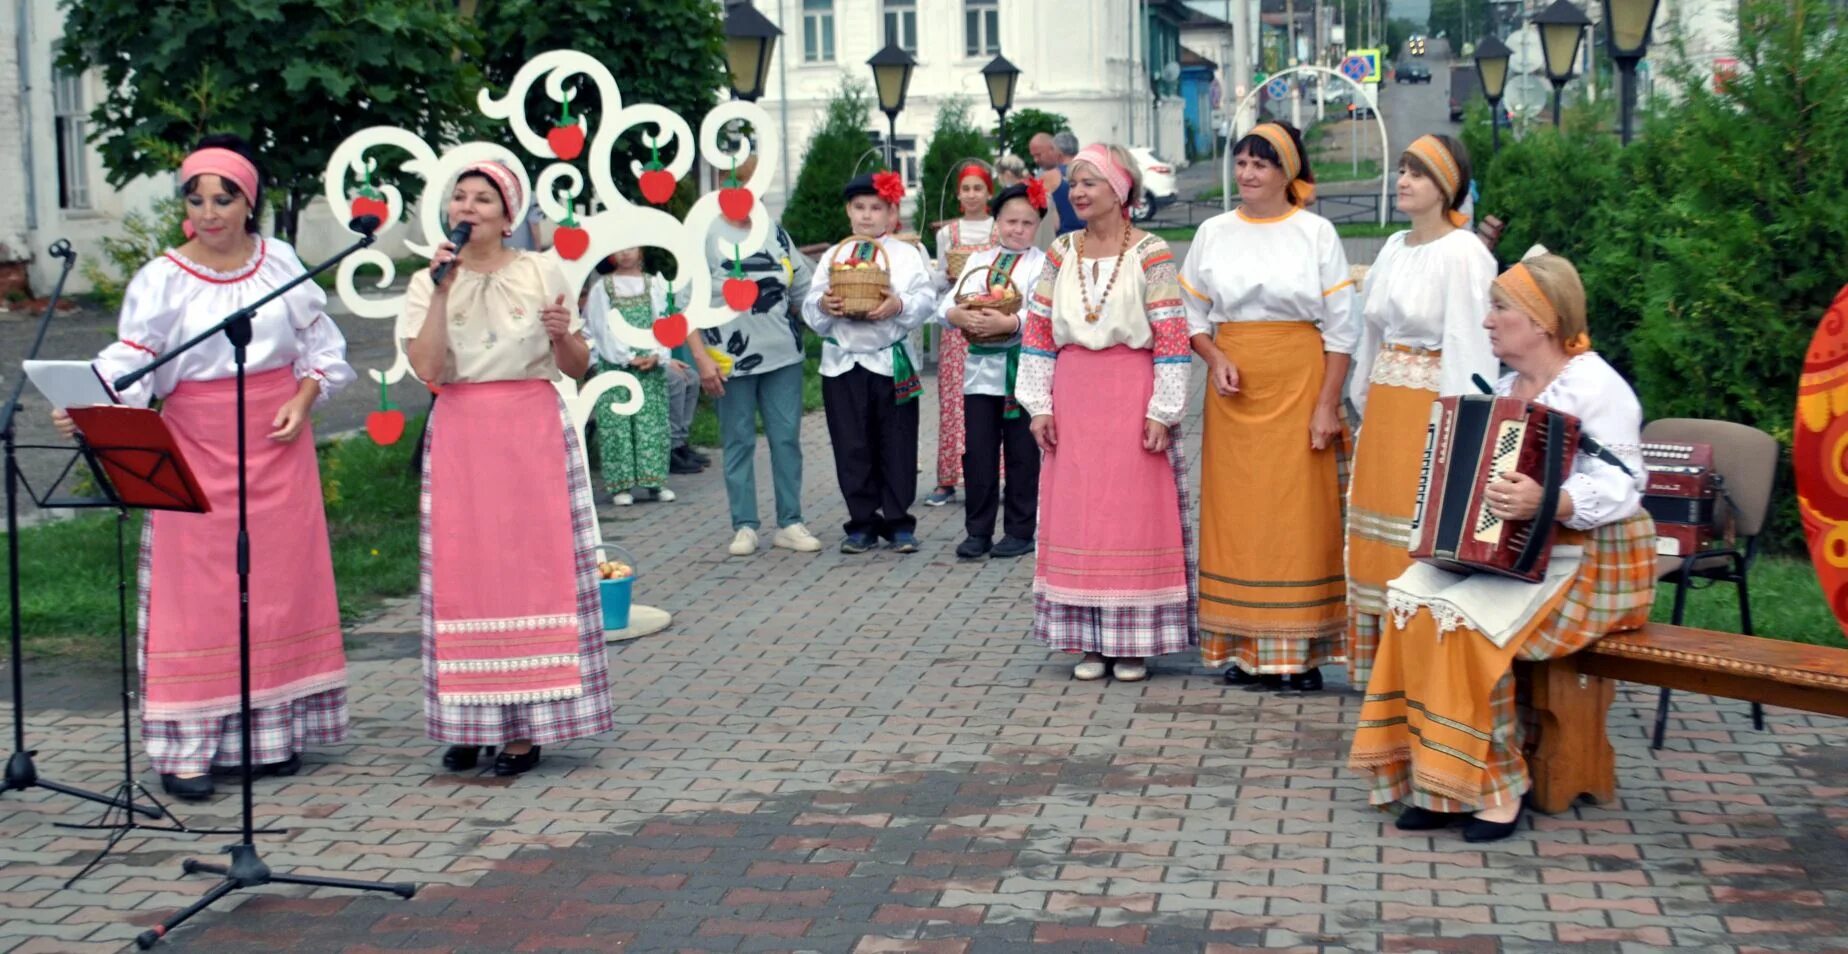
(68, 383)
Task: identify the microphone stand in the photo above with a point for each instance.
(246, 869)
(21, 773)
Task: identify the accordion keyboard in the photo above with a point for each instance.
(1505, 458)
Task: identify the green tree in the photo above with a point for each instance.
(954, 140)
(1027, 123)
(1461, 21)
(295, 77)
(815, 212)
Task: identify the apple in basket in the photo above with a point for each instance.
(613, 570)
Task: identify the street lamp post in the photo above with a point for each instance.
(1562, 28)
(1628, 24)
(1001, 77)
(1492, 56)
(891, 79)
(750, 39)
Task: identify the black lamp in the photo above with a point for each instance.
(1001, 77)
(750, 39)
(1562, 29)
(1492, 56)
(891, 79)
(1627, 27)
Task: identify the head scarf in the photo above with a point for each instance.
(1097, 156)
(975, 169)
(1518, 284)
(505, 183)
(1302, 192)
(1437, 157)
(225, 164)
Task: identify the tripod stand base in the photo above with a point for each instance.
(21, 774)
(247, 870)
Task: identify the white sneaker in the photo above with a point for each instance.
(1130, 670)
(664, 495)
(625, 499)
(744, 543)
(1091, 669)
(796, 537)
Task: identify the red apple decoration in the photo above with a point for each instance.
(740, 294)
(371, 205)
(657, 186)
(672, 330)
(572, 242)
(386, 424)
(567, 142)
(736, 203)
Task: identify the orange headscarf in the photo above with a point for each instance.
(1302, 191)
(1518, 284)
(1437, 157)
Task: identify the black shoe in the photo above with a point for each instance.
(1238, 677)
(461, 758)
(973, 548)
(1011, 547)
(188, 789)
(858, 543)
(1424, 819)
(698, 458)
(286, 767)
(1310, 681)
(507, 764)
(1478, 831)
(679, 463)
(1269, 682)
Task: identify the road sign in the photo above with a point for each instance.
(1371, 60)
(1278, 88)
(1354, 68)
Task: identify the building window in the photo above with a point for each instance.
(70, 127)
(901, 24)
(817, 31)
(981, 27)
(905, 151)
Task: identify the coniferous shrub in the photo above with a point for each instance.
(815, 212)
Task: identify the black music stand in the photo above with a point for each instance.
(246, 869)
(136, 464)
(21, 773)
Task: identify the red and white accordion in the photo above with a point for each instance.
(1473, 439)
(1682, 496)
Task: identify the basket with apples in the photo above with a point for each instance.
(859, 278)
(996, 292)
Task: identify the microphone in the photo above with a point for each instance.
(458, 237)
(364, 224)
(62, 249)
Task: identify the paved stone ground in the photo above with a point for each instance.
(866, 754)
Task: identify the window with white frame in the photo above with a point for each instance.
(904, 152)
(981, 27)
(817, 31)
(901, 24)
(70, 127)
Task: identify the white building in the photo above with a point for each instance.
(1087, 60)
(56, 186)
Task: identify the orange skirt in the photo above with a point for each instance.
(1272, 587)
(1388, 459)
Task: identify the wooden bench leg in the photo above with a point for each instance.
(1574, 756)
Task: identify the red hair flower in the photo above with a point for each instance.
(889, 186)
(1036, 194)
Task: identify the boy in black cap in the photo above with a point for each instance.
(869, 383)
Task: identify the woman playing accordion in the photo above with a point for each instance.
(1439, 728)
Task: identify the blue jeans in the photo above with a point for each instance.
(777, 397)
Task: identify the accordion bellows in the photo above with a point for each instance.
(1472, 440)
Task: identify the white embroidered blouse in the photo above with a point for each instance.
(1432, 297)
(1591, 390)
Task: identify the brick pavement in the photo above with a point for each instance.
(866, 755)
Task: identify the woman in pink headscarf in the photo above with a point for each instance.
(512, 625)
(1103, 372)
(189, 587)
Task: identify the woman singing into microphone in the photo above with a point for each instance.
(513, 629)
(189, 586)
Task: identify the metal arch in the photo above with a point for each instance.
(1225, 171)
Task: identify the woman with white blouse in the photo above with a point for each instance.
(1423, 337)
(513, 629)
(1440, 730)
(189, 586)
(1270, 309)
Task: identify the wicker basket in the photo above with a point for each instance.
(1008, 304)
(953, 262)
(860, 289)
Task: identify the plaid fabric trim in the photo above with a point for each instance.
(542, 723)
(1363, 643)
(1131, 631)
(1271, 655)
(1507, 777)
(194, 746)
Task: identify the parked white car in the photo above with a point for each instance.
(1158, 187)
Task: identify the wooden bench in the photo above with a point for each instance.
(1572, 696)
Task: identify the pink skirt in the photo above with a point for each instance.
(191, 636)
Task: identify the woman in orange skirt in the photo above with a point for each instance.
(1269, 306)
(1423, 337)
(1439, 729)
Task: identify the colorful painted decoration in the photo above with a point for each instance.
(386, 424)
(569, 240)
(1820, 453)
(566, 138)
(740, 292)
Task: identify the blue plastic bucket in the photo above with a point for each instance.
(617, 595)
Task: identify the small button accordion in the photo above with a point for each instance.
(1473, 439)
(1682, 496)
